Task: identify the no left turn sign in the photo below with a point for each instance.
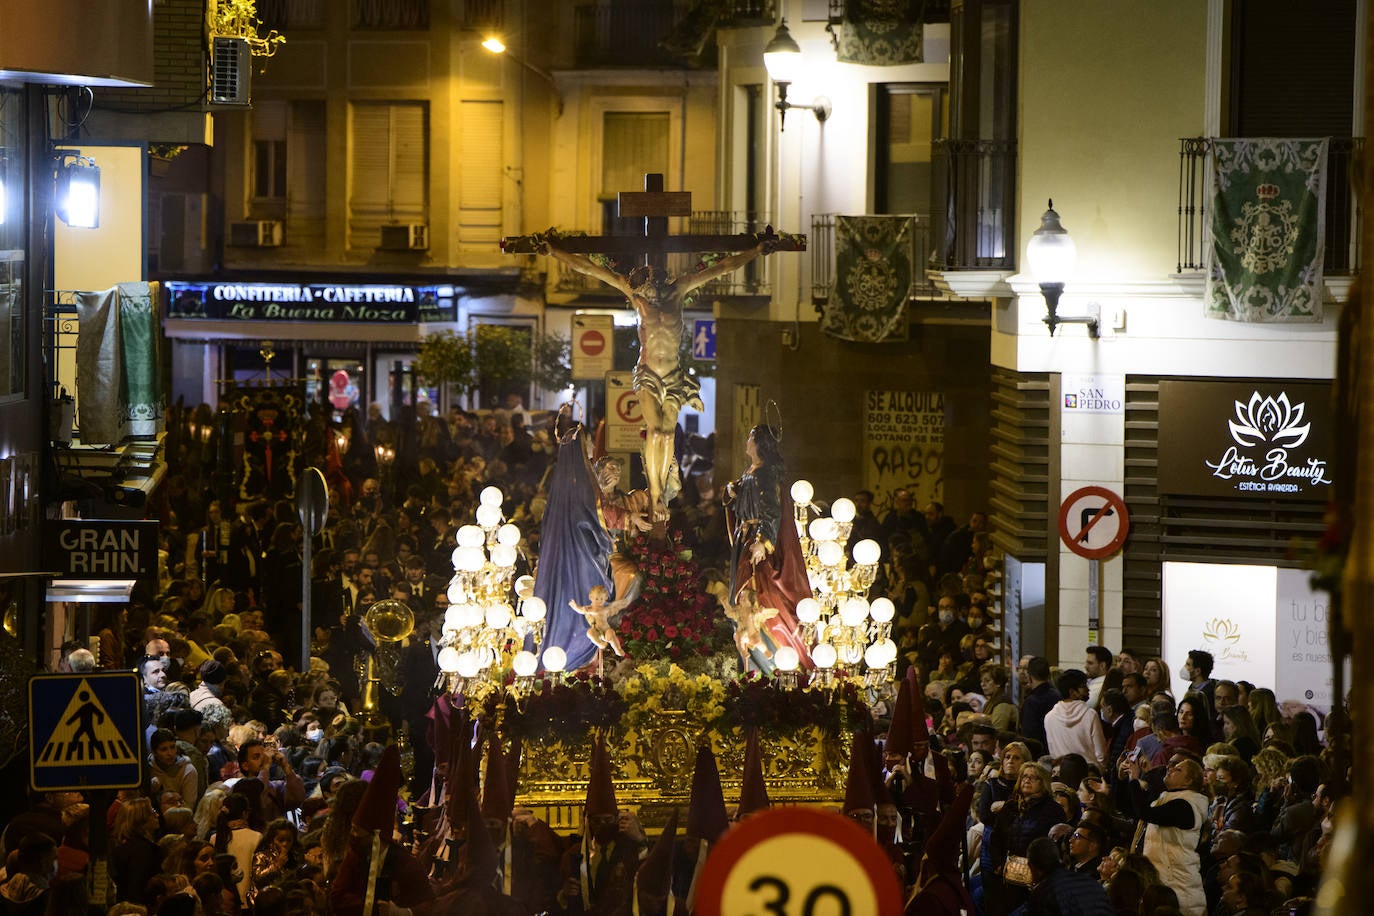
(1093, 522)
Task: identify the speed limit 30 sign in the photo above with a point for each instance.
(798, 862)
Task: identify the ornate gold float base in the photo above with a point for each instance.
(654, 763)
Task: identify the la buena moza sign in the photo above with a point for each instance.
(366, 302)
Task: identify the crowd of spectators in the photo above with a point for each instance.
(1079, 790)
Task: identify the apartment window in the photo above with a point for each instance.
(389, 167)
(1292, 76)
(982, 70)
(910, 117)
(390, 14)
(269, 150)
(632, 143)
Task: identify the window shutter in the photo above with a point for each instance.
(369, 176)
(305, 187)
(269, 120)
(632, 143)
(409, 162)
(480, 183)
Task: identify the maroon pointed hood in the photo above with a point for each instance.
(753, 795)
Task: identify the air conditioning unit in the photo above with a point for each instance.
(256, 233)
(405, 237)
(231, 70)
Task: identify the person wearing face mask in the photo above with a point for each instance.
(941, 635)
(1234, 806)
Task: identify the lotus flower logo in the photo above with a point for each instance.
(1270, 420)
(1220, 629)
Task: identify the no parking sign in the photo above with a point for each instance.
(624, 419)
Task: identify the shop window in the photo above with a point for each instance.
(632, 143)
(389, 168)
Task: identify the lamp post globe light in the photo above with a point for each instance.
(782, 58)
(1051, 255)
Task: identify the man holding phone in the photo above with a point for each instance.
(279, 796)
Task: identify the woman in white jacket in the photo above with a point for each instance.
(1173, 821)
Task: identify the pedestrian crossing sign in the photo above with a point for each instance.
(84, 731)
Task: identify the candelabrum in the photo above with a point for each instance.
(847, 634)
(490, 612)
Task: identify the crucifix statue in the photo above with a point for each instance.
(660, 380)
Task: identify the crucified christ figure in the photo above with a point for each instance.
(662, 384)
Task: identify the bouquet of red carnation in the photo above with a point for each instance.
(673, 617)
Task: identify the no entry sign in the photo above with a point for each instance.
(592, 350)
(1093, 522)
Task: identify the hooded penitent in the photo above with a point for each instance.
(858, 786)
(899, 732)
(707, 818)
(600, 787)
(377, 811)
(653, 882)
(942, 846)
(753, 795)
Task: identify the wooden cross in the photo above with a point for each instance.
(655, 205)
(662, 383)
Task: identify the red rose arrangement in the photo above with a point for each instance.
(673, 618)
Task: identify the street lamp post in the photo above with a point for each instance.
(782, 58)
(1051, 255)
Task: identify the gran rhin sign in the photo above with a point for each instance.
(1251, 439)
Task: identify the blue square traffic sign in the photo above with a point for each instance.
(704, 338)
(84, 731)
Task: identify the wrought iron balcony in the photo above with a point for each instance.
(291, 14)
(386, 15)
(973, 226)
(821, 245)
(1342, 205)
(629, 36)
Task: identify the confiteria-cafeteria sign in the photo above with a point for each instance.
(1262, 439)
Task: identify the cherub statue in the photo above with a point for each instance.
(749, 619)
(598, 614)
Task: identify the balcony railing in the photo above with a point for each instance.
(739, 14)
(626, 36)
(821, 244)
(973, 225)
(484, 14)
(1342, 206)
(753, 279)
(291, 14)
(387, 15)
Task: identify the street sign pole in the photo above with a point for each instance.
(1093, 524)
(1094, 603)
(312, 505)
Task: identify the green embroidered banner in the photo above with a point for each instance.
(118, 369)
(873, 272)
(881, 32)
(1268, 232)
